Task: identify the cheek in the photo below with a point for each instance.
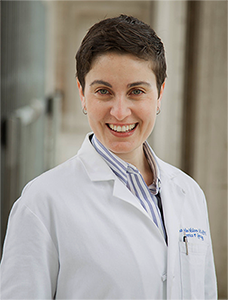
(95, 111)
(148, 113)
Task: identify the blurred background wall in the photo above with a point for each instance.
(41, 119)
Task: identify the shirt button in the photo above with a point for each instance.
(132, 170)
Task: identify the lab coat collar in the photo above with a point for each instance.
(98, 170)
(96, 167)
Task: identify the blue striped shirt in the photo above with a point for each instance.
(133, 180)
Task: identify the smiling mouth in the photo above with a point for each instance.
(124, 128)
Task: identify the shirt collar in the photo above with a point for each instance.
(156, 184)
(121, 168)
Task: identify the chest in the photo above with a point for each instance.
(111, 241)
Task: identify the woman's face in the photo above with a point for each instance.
(121, 99)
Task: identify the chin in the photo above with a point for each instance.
(120, 149)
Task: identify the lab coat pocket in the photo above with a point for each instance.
(192, 262)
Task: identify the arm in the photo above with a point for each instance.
(29, 266)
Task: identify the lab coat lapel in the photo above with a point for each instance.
(98, 170)
(173, 198)
(120, 191)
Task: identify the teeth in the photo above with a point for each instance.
(122, 128)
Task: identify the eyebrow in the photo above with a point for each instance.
(101, 82)
(138, 83)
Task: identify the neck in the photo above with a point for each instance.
(138, 159)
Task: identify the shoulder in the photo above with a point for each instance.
(179, 177)
(66, 182)
(47, 194)
(63, 175)
(55, 177)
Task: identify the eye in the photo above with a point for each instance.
(137, 92)
(102, 92)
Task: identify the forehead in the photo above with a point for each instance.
(115, 54)
(118, 64)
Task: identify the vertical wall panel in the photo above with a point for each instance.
(190, 86)
(22, 81)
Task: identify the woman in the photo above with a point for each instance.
(113, 222)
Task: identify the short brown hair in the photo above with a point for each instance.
(123, 34)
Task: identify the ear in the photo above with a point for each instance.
(81, 94)
(160, 96)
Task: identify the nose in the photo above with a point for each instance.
(120, 108)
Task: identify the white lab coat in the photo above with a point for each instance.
(78, 233)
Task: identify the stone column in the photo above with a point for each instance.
(169, 21)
